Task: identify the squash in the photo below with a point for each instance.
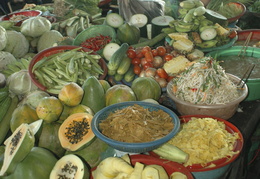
(35, 26)
(119, 93)
(94, 94)
(49, 108)
(18, 145)
(68, 166)
(23, 114)
(17, 44)
(49, 139)
(5, 59)
(49, 39)
(37, 164)
(127, 33)
(75, 132)
(146, 88)
(3, 38)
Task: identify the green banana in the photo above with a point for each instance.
(205, 22)
(208, 44)
(187, 4)
(189, 16)
(180, 28)
(199, 11)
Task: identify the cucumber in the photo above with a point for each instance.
(216, 17)
(140, 21)
(129, 75)
(118, 77)
(208, 34)
(117, 57)
(124, 65)
(114, 20)
(160, 22)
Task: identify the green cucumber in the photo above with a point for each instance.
(130, 75)
(160, 22)
(117, 57)
(118, 77)
(216, 17)
(114, 20)
(124, 65)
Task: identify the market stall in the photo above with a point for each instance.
(130, 89)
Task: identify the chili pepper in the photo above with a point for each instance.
(96, 43)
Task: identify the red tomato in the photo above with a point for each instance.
(154, 52)
(148, 56)
(137, 69)
(147, 65)
(136, 61)
(161, 50)
(162, 73)
(167, 57)
(232, 34)
(131, 53)
(146, 49)
(139, 54)
(170, 78)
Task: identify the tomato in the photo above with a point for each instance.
(137, 69)
(143, 61)
(161, 50)
(148, 56)
(139, 54)
(155, 52)
(170, 78)
(146, 49)
(167, 57)
(162, 73)
(147, 65)
(232, 34)
(136, 61)
(131, 53)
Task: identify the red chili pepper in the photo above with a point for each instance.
(194, 89)
(96, 43)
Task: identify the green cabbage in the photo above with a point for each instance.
(17, 44)
(35, 26)
(5, 59)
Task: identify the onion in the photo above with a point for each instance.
(142, 74)
(150, 72)
(158, 62)
(162, 82)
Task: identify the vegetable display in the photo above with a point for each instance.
(59, 71)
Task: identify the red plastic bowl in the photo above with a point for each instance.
(29, 13)
(220, 162)
(169, 166)
(241, 6)
(243, 34)
(54, 50)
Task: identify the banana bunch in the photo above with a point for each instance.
(21, 64)
(191, 14)
(77, 23)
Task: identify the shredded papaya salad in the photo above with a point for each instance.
(205, 82)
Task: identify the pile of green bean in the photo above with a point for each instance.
(73, 65)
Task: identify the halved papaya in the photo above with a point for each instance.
(75, 132)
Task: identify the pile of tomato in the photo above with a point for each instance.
(146, 59)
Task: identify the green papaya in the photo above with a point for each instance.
(37, 164)
(94, 94)
(127, 33)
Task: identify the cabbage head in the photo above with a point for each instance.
(3, 38)
(5, 59)
(20, 83)
(35, 26)
(17, 44)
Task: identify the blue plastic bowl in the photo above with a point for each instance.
(133, 147)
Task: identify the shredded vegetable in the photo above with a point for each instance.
(205, 82)
(136, 124)
(205, 140)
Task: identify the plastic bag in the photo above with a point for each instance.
(150, 8)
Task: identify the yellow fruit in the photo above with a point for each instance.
(71, 94)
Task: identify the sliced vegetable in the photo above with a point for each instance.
(138, 20)
(114, 20)
(109, 50)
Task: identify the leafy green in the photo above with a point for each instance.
(90, 6)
